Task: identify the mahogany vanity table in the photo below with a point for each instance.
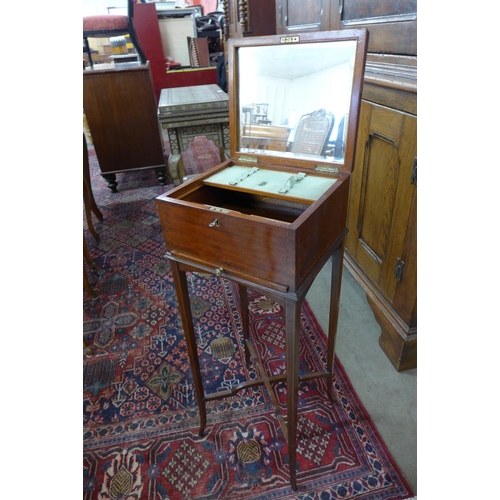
(187, 112)
(270, 220)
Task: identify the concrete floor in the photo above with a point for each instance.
(390, 397)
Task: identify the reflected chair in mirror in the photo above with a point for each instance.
(339, 145)
(313, 133)
(110, 25)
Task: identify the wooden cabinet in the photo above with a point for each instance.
(392, 23)
(249, 18)
(120, 107)
(381, 243)
(381, 248)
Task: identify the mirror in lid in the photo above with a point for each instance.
(297, 98)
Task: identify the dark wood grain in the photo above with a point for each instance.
(382, 226)
(120, 107)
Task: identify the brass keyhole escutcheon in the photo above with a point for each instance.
(215, 223)
(219, 271)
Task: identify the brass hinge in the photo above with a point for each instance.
(413, 179)
(251, 159)
(398, 271)
(326, 168)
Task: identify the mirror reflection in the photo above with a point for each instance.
(295, 98)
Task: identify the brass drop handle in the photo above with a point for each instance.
(215, 223)
(219, 271)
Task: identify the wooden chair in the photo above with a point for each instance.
(88, 197)
(313, 133)
(88, 287)
(87, 257)
(90, 206)
(110, 25)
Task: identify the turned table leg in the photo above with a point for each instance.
(111, 181)
(161, 175)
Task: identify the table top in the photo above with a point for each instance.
(198, 97)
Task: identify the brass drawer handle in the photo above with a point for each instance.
(219, 271)
(215, 223)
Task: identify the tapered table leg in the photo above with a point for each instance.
(292, 379)
(244, 319)
(337, 266)
(182, 292)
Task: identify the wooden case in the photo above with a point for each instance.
(272, 238)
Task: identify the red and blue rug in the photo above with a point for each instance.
(140, 429)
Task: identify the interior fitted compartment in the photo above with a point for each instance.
(274, 194)
(247, 203)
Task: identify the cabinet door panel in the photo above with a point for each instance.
(302, 15)
(361, 9)
(381, 193)
(392, 23)
(381, 171)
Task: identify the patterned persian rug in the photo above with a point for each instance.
(140, 426)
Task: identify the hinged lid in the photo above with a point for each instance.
(295, 100)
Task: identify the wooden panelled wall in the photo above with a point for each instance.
(381, 244)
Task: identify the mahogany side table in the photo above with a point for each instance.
(267, 219)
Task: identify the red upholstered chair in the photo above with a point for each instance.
(109, 25)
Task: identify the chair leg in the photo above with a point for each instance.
(87, 48)
(87, 285)
(88, 351)
(86, 254)
(135, 41)
(88, 197)
(88, 213)
(88, 258)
